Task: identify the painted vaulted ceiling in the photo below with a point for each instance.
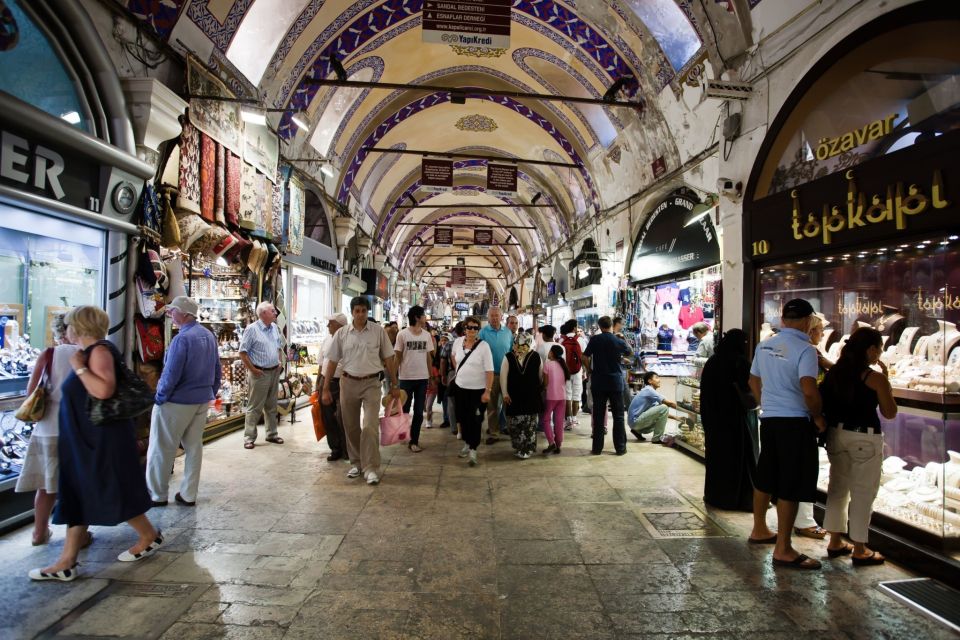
(272, 49)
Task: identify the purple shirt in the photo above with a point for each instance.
(191, 367)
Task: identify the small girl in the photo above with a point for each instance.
(556, 374)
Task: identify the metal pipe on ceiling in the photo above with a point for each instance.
(463, 226)
(474, 156)
(474, 205)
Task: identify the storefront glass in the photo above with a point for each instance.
(309, 307)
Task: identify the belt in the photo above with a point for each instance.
(850, 427)
(268, 368)
(372, 375)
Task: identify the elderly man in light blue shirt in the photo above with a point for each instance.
(500, 340)
(261, 348)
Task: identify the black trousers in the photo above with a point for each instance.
(336, 439)
(600, 399)
(470, 414)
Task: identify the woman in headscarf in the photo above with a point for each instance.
(729, 425)
(521, 382)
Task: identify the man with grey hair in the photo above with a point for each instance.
(261, 350)
(500, 340)
(190, 380)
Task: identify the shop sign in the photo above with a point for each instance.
(901, 194)
(52, 173)
(482, 24)
(830, 147)
(583, 303)
(458, 276)
(442, 236)
(377, 283)
(483, 237)
(462, 306)
(436, 176)
(665, 246)
(326, 265)
(502, 180)
(659, 167)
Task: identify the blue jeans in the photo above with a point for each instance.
(416, 393)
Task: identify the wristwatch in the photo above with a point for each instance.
(81, 371)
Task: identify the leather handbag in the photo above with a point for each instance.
(395, 425)
(131, 398)
(35, 404)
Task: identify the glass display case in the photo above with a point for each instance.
(690, 428)
(310, 304)
(910, 292)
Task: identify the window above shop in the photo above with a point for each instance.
(897, 90)
(263, 26)
(670, 27)
(338, 107)
(31, 68)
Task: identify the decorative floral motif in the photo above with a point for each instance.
(693, 76)
(615, 153)
(476, 122)
(160, 14)
(468, 193)
(477, 52)
(220, 33)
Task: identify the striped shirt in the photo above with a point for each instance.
(261, 344)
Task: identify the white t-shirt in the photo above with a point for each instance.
(545, 347)
(414, 349)
(473, 373)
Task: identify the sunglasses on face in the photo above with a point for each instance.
(472, 327)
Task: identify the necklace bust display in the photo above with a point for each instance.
(940, 343)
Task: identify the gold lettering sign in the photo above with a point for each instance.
(830, 147)
(893, 206)
(938, 303)
(860, 307)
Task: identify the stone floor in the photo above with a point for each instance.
(283, 545)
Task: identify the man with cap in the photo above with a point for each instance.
(190, 380)
(783, 378)
(331, 412)
(261, 349)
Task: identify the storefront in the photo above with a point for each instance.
(851, 206)
(310, 301)
(377, 293)
(69, 187)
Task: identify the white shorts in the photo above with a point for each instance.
(575, 386)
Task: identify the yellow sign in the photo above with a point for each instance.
(830, 147)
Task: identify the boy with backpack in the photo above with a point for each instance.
(573, 354)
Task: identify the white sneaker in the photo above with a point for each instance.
(465, 451)
(151, 549)
(373, 478)
(354, 472)
(523, 456)
(473, 457)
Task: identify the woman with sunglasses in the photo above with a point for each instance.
(473, 364)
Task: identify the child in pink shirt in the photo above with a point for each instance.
(556, 372)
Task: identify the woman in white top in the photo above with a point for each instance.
(41, 465)
(473, 363)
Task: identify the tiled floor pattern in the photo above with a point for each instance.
(282, 545)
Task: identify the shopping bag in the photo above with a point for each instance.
(395, 425)
(319, 429)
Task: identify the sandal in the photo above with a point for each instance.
(865, 561)
(845, 550)
(248, 445)
(275, 439)
(800, 562)
(414, 447)
(817, 533)
(771, 540)
(44, 539)
(88, 541)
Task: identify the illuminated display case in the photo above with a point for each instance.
(310, 304)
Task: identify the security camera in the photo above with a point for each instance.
(729, 187)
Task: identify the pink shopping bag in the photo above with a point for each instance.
(395, 425)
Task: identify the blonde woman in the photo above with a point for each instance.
(101, 481)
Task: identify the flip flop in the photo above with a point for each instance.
(44, 540)
(845, 550)
(800, 562)
(771, 540)
(817, 533)
(873, 559)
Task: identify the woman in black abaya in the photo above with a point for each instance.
(729, 425)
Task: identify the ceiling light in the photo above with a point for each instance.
(921, 246)
(945, 242)
(953, 237)
(253, 115)
(326, 170)
(73, 117)
(300, 121)
(898, 249)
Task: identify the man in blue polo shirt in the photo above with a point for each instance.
(500, 340)
(784, 378)
(601, 359)
(649, 410)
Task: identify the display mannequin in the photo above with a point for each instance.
(951, 470)
(940, 343)
(906, 340)
(920, 349)
(766, 331)
(648, 336)
(891, 324)
(665, 338)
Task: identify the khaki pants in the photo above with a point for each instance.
(493, 409)
(363, 444)
(262, 402)
(170, 426)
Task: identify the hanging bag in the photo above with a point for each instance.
(452, 386)
(319, 428)
(131, 397)
(395, 425)
(35, 404)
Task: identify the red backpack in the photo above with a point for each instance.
(572, 353)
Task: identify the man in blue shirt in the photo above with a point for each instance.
(190, 380)
(601, 359)
(784, 378)
(649, 410)
(260, 350)
(500, 340)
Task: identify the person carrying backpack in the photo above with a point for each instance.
(573, 354)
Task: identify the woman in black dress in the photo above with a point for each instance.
(101, 480)
(729, 425)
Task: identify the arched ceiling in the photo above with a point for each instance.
(274, 49)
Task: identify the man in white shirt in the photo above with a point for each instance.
(414, 349)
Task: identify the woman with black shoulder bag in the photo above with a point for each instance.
(473, 381)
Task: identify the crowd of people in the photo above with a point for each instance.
(516, 382)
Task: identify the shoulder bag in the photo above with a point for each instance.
(35, 404)
(452, 386)
(131, 397)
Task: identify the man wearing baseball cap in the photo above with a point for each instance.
(783, 378)
(331, 412)
(190, 380)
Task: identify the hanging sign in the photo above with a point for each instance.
(483, 237)
(659, 167)
(482, 24)
(458, 276)
(665, 246)
(436, 176)
(58, 174)
(502, 180)
(442, 236)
